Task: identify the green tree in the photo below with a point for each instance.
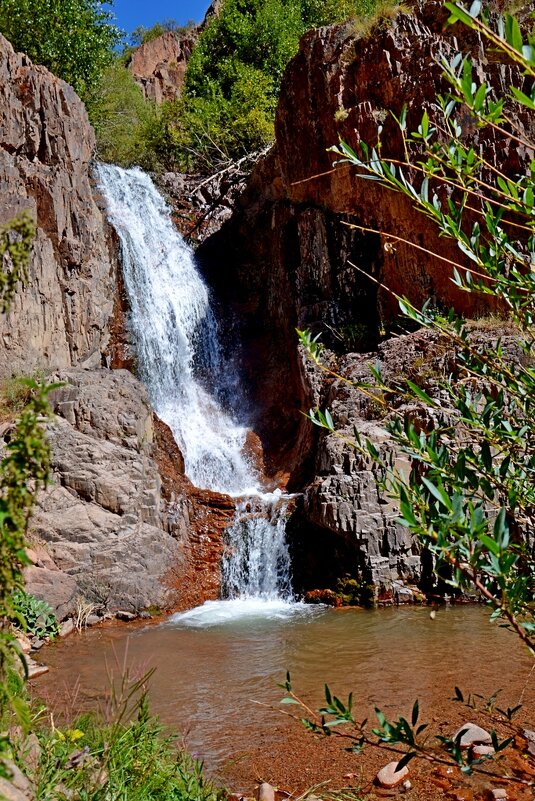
(234, 74)
(123, 119)
(75, 39)
(470, 495)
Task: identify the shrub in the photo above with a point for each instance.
(233, 78)
(36, 616)
(75, 39)
(122, 119)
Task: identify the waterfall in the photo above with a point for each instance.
(191, 386)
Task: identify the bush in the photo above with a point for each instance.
(233, 78)
(37, 616)
(124, 759)
(75, 39)
(122, 119)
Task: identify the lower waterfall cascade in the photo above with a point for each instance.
(191, 386)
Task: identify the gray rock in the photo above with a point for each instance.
(102, 519)
(46, 144)
(8, 792)
(66, 628)
(126, 616)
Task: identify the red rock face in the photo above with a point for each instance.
(159, 66)
(285, 260)
(197, 519)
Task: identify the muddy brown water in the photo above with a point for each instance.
(216, 678)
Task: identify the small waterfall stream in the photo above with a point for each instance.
(190, 385)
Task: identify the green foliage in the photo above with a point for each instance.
(75, 39)
(142, 35)
(339, 718)
(123, 120)
(23, 471)
(37, 617)
(128, 758)
(234, 75)
(16, 240)
(355, 592)
(470, 494)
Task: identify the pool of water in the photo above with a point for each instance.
(218, 666)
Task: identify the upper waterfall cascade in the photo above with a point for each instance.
(191, 386)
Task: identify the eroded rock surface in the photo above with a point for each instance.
(61, 318)
(103, 519)
(159, 66)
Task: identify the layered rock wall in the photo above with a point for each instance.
(61, 318)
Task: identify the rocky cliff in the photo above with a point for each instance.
(46, 143)
(159, 66)
(108, 532)
(287, 263)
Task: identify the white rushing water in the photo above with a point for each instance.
(179, 358)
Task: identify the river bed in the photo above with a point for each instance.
(217, 670)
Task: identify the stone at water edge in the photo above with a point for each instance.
(66, 628)
(390, 776)
(121, 614)
(472, 734)
(34, 669)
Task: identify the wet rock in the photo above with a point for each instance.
(126, 616)
(390, 776)
(35, 669)
(328, 597)
(471, 734)
(66, 628)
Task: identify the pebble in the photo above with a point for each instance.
(498, 794)
(390, 776)
(472, 735)
(265, 792)
(483, 750)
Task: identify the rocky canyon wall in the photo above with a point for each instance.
(285, 261)
(61, 318)
(108, 532)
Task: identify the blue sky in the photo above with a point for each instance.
(131, 13)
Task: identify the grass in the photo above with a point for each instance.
(129, 757)
(15, 394)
